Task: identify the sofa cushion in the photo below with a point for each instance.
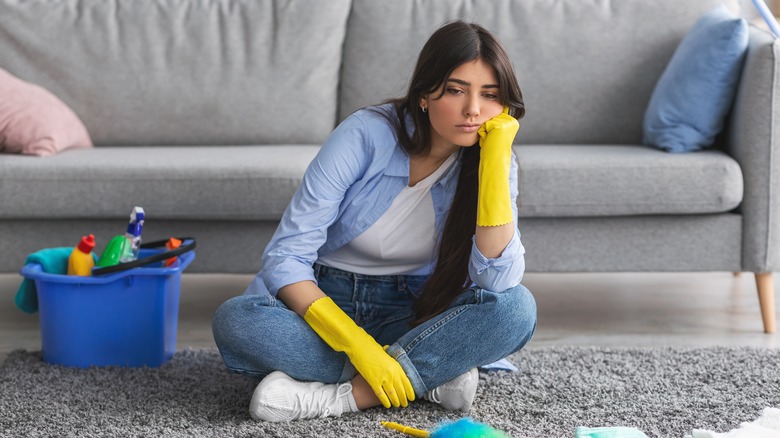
(690, 101)
(175, 72)
(621, 180)
(33, 121)
(192, 183)
(257, 182)
(586, 68)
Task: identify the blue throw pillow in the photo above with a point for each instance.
(695, 91)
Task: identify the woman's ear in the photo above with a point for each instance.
(424, 103)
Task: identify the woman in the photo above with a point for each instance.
(402, 234)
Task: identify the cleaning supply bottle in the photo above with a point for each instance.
(172, 244)
(113, 252)
(133, 236)
(80, 261)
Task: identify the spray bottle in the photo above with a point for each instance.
(133, 236)
(80, 261)
(113, 251)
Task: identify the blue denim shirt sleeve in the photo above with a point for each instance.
(289, 256)
(500, 273)
(505, 271)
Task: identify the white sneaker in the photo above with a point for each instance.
(457, 394)
(281, 398)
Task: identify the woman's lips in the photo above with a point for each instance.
(467, 127)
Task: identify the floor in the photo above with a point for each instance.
(617, 309)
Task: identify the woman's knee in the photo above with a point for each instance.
(516, 313)
(242, 326)
(223, 321)
(234, 316)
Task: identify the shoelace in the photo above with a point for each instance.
(317, 403)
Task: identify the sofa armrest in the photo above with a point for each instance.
(754, 141)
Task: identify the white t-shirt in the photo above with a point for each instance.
(403, 239)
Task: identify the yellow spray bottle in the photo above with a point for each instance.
(81, 261)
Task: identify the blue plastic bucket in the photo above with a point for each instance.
(128, 318)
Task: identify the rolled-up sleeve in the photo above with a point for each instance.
(292, 251)
(500, 273)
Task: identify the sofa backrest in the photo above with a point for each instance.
(183, 72)
(587, 68)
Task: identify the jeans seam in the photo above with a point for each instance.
(355, 303)
(245, 371)
(438, 324)
(395, 318)
(402, 356)
(327, 271)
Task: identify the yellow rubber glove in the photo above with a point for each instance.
(494, 205)
(383, 373)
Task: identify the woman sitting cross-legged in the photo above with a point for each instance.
(395, 271)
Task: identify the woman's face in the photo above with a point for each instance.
(470, 99)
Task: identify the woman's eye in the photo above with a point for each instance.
(490, 96)
(454, 91)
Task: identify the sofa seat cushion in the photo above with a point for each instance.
(624, 180)
(257, 182)
(192, 183)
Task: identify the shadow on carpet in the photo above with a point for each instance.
(665, 392)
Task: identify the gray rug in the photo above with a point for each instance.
(663, 392)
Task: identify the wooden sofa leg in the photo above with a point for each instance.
(766, 300)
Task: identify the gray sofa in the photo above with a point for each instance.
(207, 112)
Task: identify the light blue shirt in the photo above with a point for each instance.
(351, 182)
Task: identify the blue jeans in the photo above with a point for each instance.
(258, 334)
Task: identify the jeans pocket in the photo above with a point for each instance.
(412, 285)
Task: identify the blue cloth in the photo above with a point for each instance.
(350, 184)
(608, 432)
(690, 101)
(52, 261)
(257, 334)
(499, 365)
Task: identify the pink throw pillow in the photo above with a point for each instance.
(34, 121)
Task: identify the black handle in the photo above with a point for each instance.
(152, 258)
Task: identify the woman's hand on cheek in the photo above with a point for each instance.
(499, 131)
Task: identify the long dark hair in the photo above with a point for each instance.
(449, 47)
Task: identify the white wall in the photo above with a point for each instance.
(750, 12)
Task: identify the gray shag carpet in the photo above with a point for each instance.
(664, 392)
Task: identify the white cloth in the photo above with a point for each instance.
(499, 365)
(766, 426)
(402, 241)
